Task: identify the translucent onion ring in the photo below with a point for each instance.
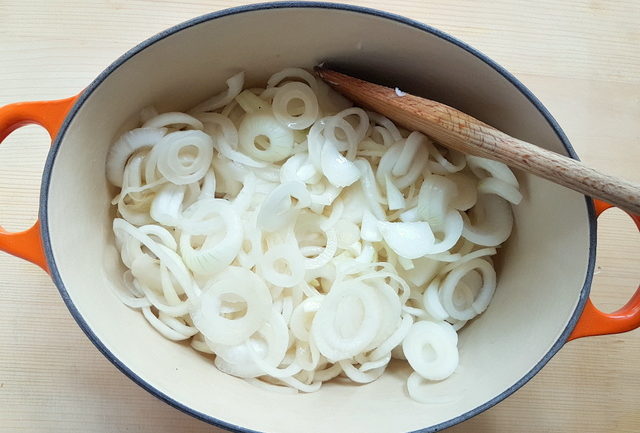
(244, 284)
(485, 293)
(442, 343)
(290, 91)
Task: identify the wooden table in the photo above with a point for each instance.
(581, 58)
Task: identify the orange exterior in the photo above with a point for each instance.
(594, 321)
(50, 115)
(28, 244)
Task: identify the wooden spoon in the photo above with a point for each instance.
(459, 131)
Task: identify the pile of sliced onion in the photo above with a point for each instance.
(298, 238)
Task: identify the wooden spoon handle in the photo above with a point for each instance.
(464, 133)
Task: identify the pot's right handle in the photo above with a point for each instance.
(50, 115)
(595, 322)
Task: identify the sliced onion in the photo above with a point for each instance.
(339, 170)
(434, 200)
(221, 127)
(300, 73)
(467, 191)
(234, 84)
(390, 306)
(251, 249)
(179, 309)
(295, 91)
(201, 218)
(492, 185)
(295, 383)
(481, 166)
(406, 264)
(359, 375)
(395, 199)
(441, 342)
(370, 231)
(138, 215)
(322, 252)
(283, 254)
(125, 146)
(245, 197)
(277, 209)
(289, 170)
(128, 294)
(161, 327)
(410, 240)
(411, 147)
(210, 259)
(368, 254)
(208, 188)
(174, 118)
(166, 206)
(415, 171)
(409, 216)
(236, 359)
(133, 179)
(489, 222)
(176, 159)
(442, 165)
(386, 124)
(326, 253)
(276, 335)
(315, 142)
(252, 103)
(335, 219)
(353, 302)
(168, 257)
(394, 339)
(483, 297)
(451, 231)
(302, 317)
(354, 135)
(370, 188)
(387, 162)
(243, 284)
(468, 257)
(424, 270)
(226, 141)
(431, 301)
(280, 139)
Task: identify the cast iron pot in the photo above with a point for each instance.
(545, 268)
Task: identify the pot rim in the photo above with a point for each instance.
(51, 157)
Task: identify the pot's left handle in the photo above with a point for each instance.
(50, 115)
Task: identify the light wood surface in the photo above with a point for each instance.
(464, 133)
(580, 58)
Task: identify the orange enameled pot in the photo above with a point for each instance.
(545, 268)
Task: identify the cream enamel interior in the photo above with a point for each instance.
(541, 270)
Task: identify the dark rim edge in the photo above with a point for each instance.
(321, 5)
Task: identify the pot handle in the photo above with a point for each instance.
(50, 115)
(595, 322)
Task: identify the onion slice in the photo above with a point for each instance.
(125, 146)
(234, 84)
(243, 284)
(410, 240)
(441, 340)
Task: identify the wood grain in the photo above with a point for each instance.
(467, 134)
(579, 57)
